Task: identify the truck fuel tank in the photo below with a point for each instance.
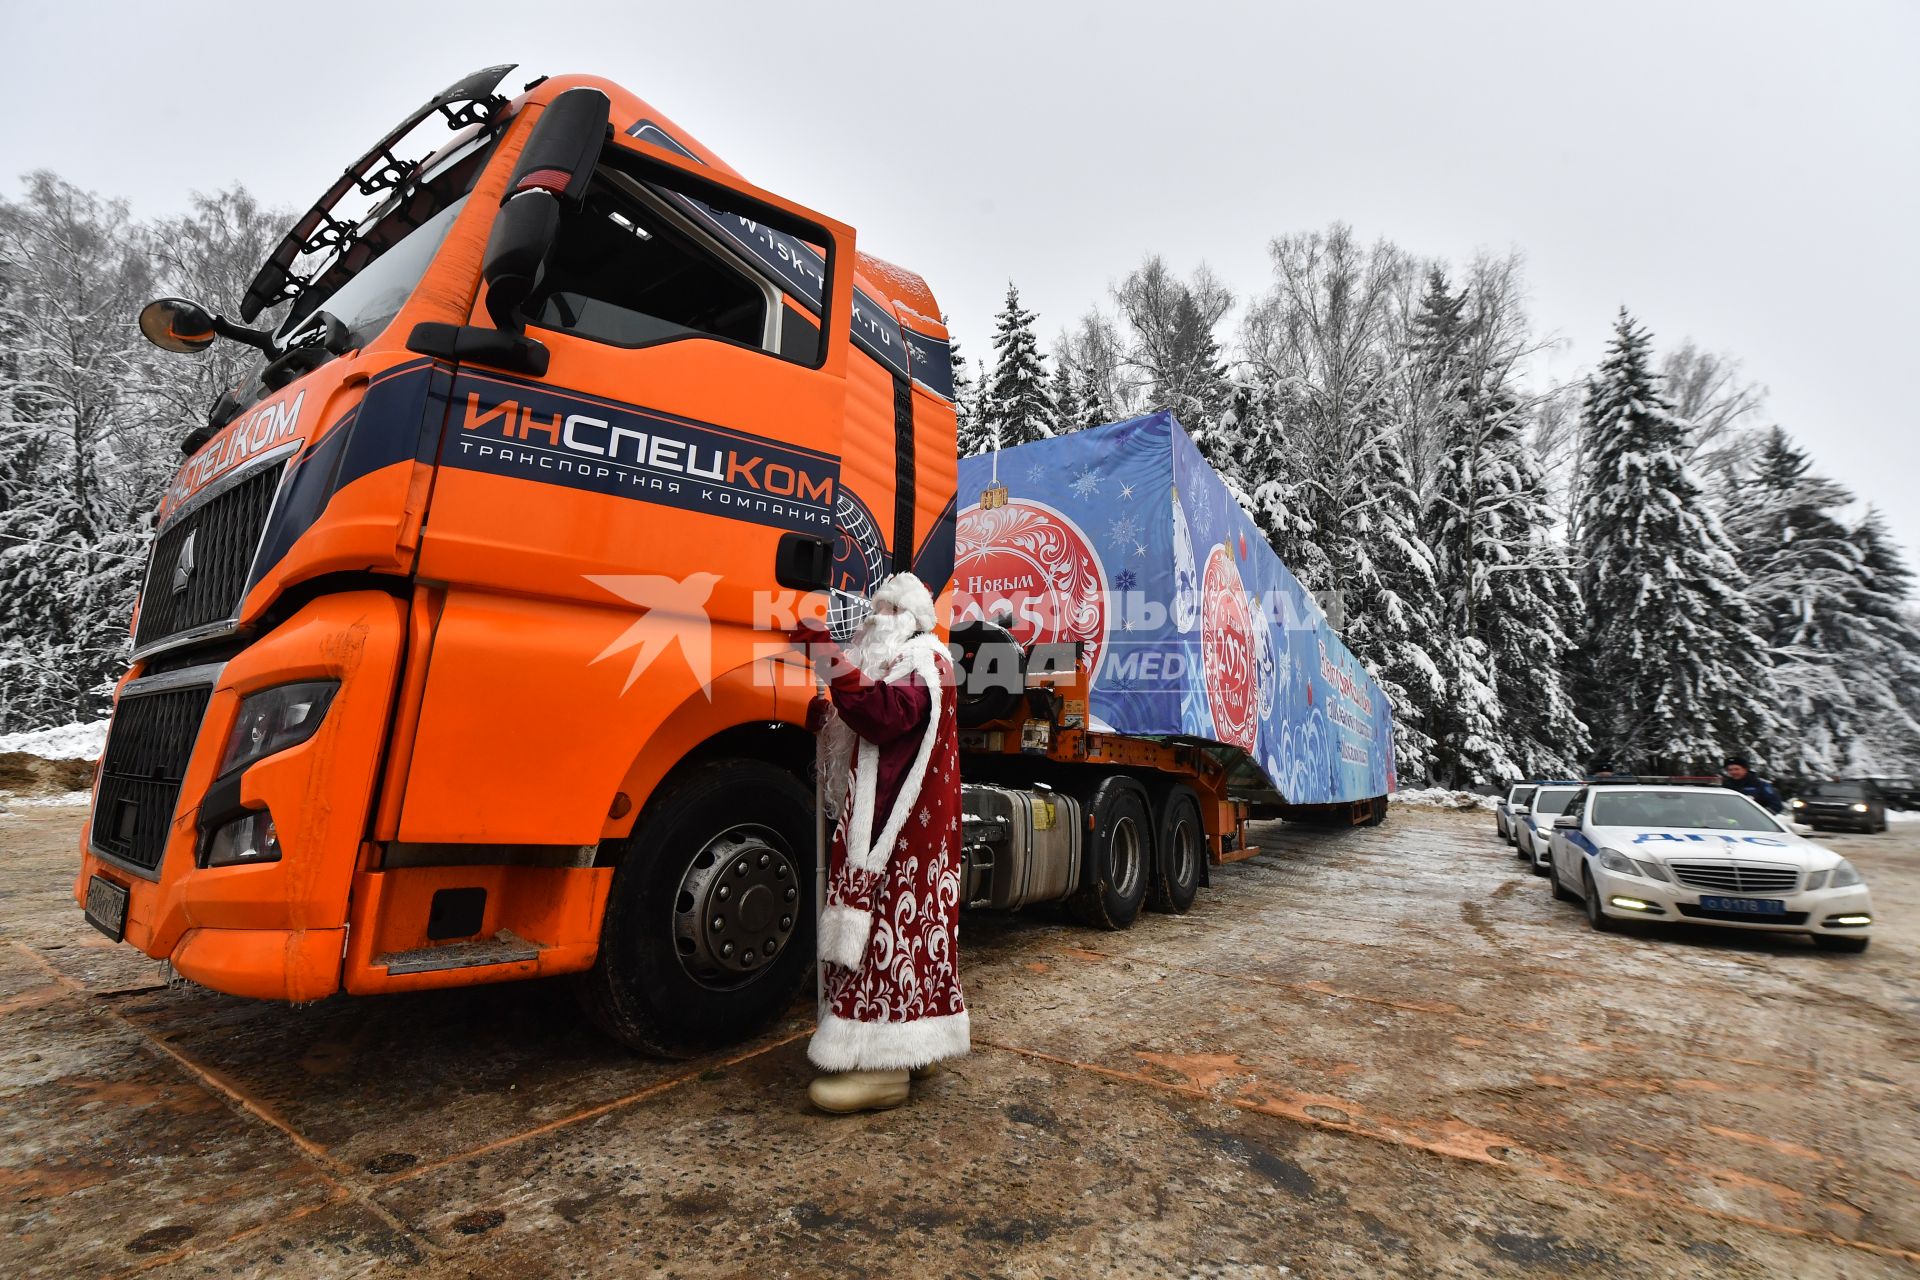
(1020, 846)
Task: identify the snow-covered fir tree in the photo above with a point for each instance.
(1169, 350)
(1884, 737)
(1315, 444)
(970, 436)
(1394, 618)
(1672, 674)
(1506, 592)
(1319, 364)
(1015, 406)
(1076, 397)
(1438, 419)
(1828, 599)
(1801, 568)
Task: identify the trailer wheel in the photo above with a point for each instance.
(1182, 848)
(709, 923)
(1377, 812)
(1119, 856)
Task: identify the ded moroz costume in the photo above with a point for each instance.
(889, 746)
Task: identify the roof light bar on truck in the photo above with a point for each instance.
(466, 102)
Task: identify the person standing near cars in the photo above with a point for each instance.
(1740, 777)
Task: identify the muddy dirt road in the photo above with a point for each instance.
(1366, 1053)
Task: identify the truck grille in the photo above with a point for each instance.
(1736, 877)
(147, 748)
(200, 562)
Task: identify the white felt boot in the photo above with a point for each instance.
(845, 1092)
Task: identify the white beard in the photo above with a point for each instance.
(881, 638)
(879, 641)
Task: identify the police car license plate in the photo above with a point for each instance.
(107, 907)
(1752, 906)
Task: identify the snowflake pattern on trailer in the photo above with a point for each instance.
(1126, 491)
(1202, 503)
(1123, 531)
(1036, 473)
(1124, 580)
(1086, 484)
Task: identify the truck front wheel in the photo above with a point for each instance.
(1119, 856)
(709, 924)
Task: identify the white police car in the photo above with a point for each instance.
(1534, 828)
(1504, 809)
(1702, 855)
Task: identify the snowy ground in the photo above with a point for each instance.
(64, 742)
(60, 800)
(1441, 798)
(1370, 1052)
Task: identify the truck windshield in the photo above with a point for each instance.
(1706, 810)
(366, 283)
(371, 298)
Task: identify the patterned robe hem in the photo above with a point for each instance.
(846, 1044)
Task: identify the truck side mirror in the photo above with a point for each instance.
(177, 324)
(552, 174)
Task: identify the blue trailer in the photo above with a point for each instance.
(1173, 677)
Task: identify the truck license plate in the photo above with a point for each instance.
(1752, 906)
(107, 907)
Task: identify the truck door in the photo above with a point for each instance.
(683, 381)
(689, 420)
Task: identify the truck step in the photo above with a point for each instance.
(503, 947)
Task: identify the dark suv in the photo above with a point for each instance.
(1853, 806)
(1899, 793)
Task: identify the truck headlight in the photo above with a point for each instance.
(275, 719)
(1796, 803)
(1817, 880)
(1844, 876)
(249, 838)
(1859, 808)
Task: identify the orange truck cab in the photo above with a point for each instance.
(457, 659)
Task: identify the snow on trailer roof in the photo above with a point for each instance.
(1121, 538)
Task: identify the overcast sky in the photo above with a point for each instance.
(1743, 174)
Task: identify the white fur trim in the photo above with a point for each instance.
(865, 851)
(844, 933)
(910, 596)
(845, 1044)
